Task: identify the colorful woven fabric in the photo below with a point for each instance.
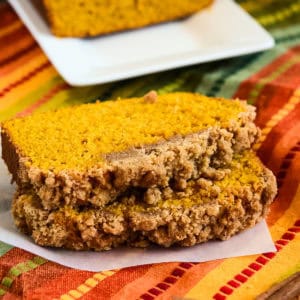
(270, 80)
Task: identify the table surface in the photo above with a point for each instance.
(269, 80)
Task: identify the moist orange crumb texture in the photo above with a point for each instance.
(93, 17)
(77, 137)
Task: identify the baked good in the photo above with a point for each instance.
(210, 209)
(98, 153)
(80, 18)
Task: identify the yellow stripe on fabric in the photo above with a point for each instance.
(88, 285)
(171, 87)
(253, 5)
(272, 76)
(285, 263)
(281, 15)
(72, 96)
(17, 270)
(28, 86)
(29, 99)
(226, 271)
(133, 87)
(276, 118)
(18, 73)
(11, 28)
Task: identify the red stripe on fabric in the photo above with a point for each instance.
(24, 78)
(8, 16)
(23, 60)
(233, 283)
(255, 266)
(288, 236)
(275, 95)
(155, 292)
(9, 260)
(230, 287)
(262, 260)
(48, 96)
(171, 280)
(12, 37)
(17, 55)
(283, 200)
(14, 256)
(226, 290)
(147, 297)
(219, 296)
(286, 124)
(110, 286)
(51, 281)
(247, 85)
(282, 242)
(14, 42)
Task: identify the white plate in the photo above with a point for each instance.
(222, 30)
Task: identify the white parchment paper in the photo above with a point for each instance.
(253, 241)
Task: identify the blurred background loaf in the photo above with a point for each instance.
(81, 18)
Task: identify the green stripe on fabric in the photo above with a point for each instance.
(240, 63)
(7, 281)
(134, 87)
(260, 84)
(30, 98)
(19, 269)
(253, 6)
(4, 248)
(280, 15)
(14, 272)
(290, 34)
(225, 80)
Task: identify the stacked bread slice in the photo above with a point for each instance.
(170, 169)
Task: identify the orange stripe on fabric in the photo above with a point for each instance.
(181, 280)
(120, 282)
(14, 43)
(10, 71)
(44, 99)
(11, 59)
(15, 271)
(275, 95)
(276, 118)
(88, 285)
(283, 127)
(10, 38)
(153, 276)
(234, 266)
(246, 87)
(288, 181)
(24, 78)
(8, 16)
(13, 257)
(54, 280)
(10, 28)
(239, 279)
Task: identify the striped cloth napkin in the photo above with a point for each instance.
(269, 80)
